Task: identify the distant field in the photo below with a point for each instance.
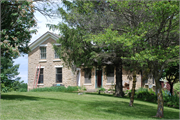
(59, 105)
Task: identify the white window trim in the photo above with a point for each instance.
(41, 67)
(88, 84)
(43, 45)
(56, 60)
(42, 60)
(110, 83)
(60, 66)
(40, 84)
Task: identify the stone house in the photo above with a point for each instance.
(53, 72)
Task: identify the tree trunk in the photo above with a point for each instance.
(160, 109)
(171, 88)
(118, 87)
(133, 89)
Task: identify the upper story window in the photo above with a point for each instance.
(43, 52)
(56, 49)
(56, 56)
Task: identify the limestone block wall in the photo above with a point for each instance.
(49, 64)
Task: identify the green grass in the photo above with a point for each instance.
(59, 105)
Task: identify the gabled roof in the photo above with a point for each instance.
(43, 38)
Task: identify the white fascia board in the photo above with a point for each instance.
(42, 39)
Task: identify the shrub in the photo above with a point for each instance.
(102, 89)
(176, 87)
(56, 89)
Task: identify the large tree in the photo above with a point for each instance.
(153, 29)
(16, 20)
(82, 18)
(146, 30)
(157, 35)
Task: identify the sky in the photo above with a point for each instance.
(41, 27)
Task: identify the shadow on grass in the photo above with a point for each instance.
(139, 111)
(18, 97)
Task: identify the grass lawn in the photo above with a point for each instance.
(59, 105)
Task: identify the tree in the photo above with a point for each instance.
(160, 40)
(17, 26)
(156, 34)
(147, 34)
(90, 17)
(16, 20)
(172, 75)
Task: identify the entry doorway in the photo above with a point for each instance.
(99, 78)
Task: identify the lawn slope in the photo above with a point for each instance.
(59, 105)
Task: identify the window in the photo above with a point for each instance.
(146, 81)
(110, 74)
(43, 52)
(40, 76)
(87, 75)
(58, 75)
(56, 56)
(153, 80)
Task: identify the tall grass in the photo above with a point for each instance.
(56, 89)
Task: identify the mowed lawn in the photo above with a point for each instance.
(59, 105)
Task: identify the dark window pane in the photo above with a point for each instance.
(110, 74)
(59, 70)
(58, 78)
(58, 75)
(40, 79)
(87, 76)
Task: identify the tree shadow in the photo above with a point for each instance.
(139, 111)
(19, 97)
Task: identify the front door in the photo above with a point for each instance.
(99, 76)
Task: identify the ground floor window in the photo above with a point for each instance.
(110, 74)
(41, 76)
(87, 75)
(58, 75)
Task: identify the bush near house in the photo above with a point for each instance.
(56, 89)
(149, 95)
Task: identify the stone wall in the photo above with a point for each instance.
(49, 64)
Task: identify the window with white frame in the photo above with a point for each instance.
(56, 56)
(87, 75)
(58, 75)
(110, 74)
(43, 52)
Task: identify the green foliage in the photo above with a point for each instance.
(17, 24)
(170, 100)
(149, 95)
(56, 89)
(176, 87)
(102, 89)
(19, 86)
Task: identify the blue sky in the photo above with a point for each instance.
(41, 27)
